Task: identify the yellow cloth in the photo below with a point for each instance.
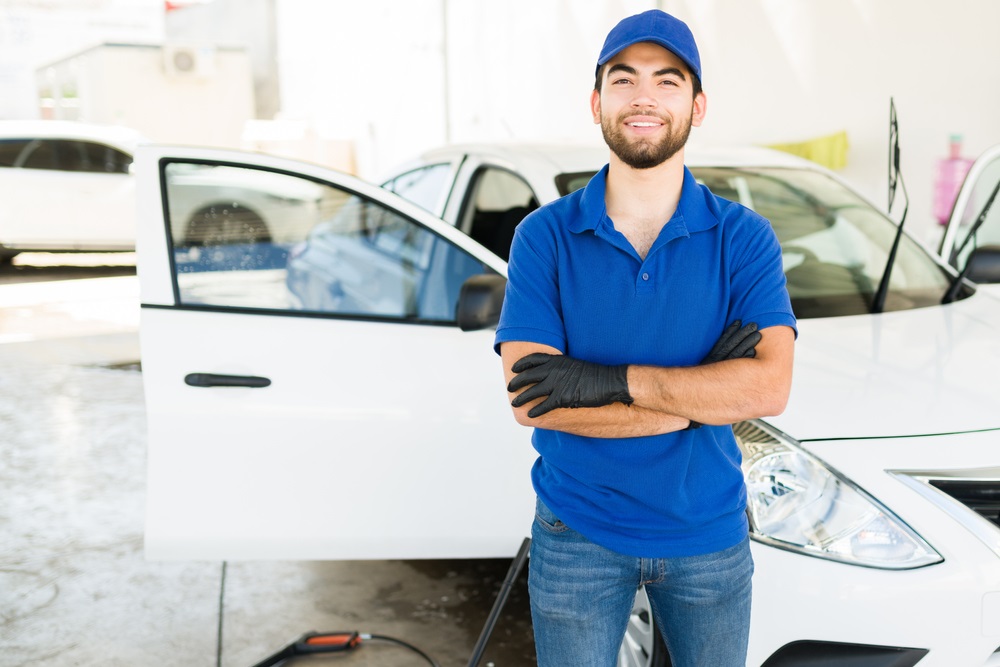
(829, 151)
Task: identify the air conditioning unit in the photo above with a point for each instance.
(188, 61)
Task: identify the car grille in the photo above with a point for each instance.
(983, 497)
(971, 497)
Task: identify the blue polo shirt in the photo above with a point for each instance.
(577, 284)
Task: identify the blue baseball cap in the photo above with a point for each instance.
(653, 26)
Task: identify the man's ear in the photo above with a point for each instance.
(595, 106)
(698, 109)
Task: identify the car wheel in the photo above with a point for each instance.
(225, 224)
(643, 646)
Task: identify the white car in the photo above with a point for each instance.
(68, 186)
(343, 400)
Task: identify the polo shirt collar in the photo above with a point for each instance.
(692, 211)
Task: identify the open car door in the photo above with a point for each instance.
(981, 250)
(310, 394)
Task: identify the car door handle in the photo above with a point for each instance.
(216, 380)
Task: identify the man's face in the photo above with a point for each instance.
(646, 106)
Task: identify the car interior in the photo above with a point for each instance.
(497, 203)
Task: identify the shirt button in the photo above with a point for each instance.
(645, 276)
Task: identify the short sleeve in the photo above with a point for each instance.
(759, 293)
(531, 309)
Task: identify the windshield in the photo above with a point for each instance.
(834, 244)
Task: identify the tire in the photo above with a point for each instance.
(643, 646)
(225, 224)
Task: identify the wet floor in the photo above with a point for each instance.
(75, 589)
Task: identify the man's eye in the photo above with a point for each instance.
(618, 81)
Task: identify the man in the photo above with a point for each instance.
(622, 343)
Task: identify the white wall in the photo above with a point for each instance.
(523, 70)
(369, 72)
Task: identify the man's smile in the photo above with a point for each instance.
(643, 122)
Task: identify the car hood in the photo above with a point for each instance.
(916, 372)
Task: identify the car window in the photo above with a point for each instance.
(251, 238)
(989, 232)
(834, 244)
(40, 154)
(65, 155)
(425, 186)
(98, 158)
(573, 181)
(497, 201)
(10, 149)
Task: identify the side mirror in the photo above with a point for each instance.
(984, 265)
(480, 300)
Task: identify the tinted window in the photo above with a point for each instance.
(10, 149)
(247, 238)
(73, 155)
(101, 159)
(40, 154)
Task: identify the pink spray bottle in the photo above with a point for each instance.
(951, 173)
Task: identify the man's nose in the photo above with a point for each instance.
(644, 96)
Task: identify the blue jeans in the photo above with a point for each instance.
(582, 594)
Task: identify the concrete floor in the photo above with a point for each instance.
(75, 589)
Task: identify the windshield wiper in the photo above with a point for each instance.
(956, 284)
(878, 302)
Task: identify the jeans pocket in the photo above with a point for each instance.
(547, 520)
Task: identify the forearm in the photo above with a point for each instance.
(610, 421)
(724, 392)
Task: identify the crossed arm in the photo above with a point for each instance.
(668, 399)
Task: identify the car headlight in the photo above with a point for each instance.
(797, 502)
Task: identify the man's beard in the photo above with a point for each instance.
(643, 153)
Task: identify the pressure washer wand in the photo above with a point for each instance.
(515, 569)
(314, 642)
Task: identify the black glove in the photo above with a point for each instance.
(734, 343)
(568, 383)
